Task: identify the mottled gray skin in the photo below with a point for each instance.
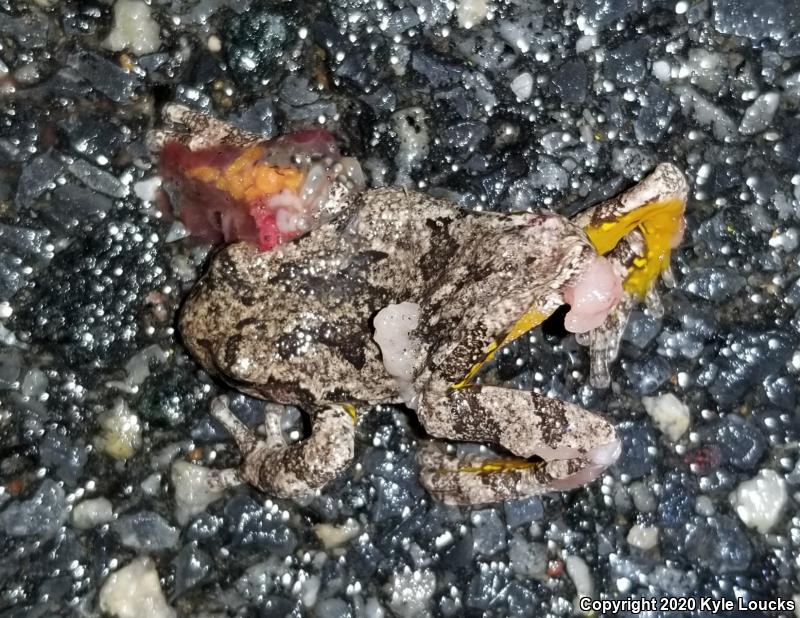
(293, 325)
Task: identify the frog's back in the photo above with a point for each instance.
(290, 325)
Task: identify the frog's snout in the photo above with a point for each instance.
(595, 294)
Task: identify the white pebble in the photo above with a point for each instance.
(122, 432)
(134, 28)
(334, 536)
(759, 115)
(669, 413)
(400, 351)
(581, 576)
(643, 537)
(759, 501)
(522, 86)
(151, 485)
(704, 506)
(194, 490)
(147, 189)
(643, 498)
(214, 44)
(662, 70)
(471, 12)
(93, 512)
(135, 591)
(410, 592)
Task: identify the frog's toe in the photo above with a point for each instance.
(573, 479)
(480, 480)
(605, 454)
(567, 477)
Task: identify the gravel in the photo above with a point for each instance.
(108, 449)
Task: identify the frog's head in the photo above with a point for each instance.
(228, 185)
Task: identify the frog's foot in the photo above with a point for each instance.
(636, 231)
(299, 469)
(575, 444)
(480, 480)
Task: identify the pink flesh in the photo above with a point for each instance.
(597, 292)
(601, 457)
(213, 215)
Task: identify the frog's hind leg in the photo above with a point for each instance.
(575, 445)
(477, 480)
(637, 231)
(654, 208)
(296, 470)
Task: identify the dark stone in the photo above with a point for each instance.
(602, 13)
(193, 566)
(252, 526)
(106, 77)
(627, 63)
(254, 44)
(525, 511)
(13, 275)
(778, 426)
(714, 284)
(756, 19)
(67, 457)
(760, 353)
(641, 329)
(781, 391)
(74, 203)
(146, 530)
(259, 118)
(38, 176)
(41, 515)
(741, 444)
(204, 527)
(439, 72)
(91, 135)
(676, 502)
(719, 544)
(570, 82)
(464, 137)
(648, 374)
(638, 449)
(655, 115)
(485, 590)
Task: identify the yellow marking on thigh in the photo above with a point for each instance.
(501, 465)
(351, 410)
(527, 322)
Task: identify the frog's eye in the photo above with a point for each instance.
(661, 225)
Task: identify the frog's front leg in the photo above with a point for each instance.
(573, 445)
(295, 470)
